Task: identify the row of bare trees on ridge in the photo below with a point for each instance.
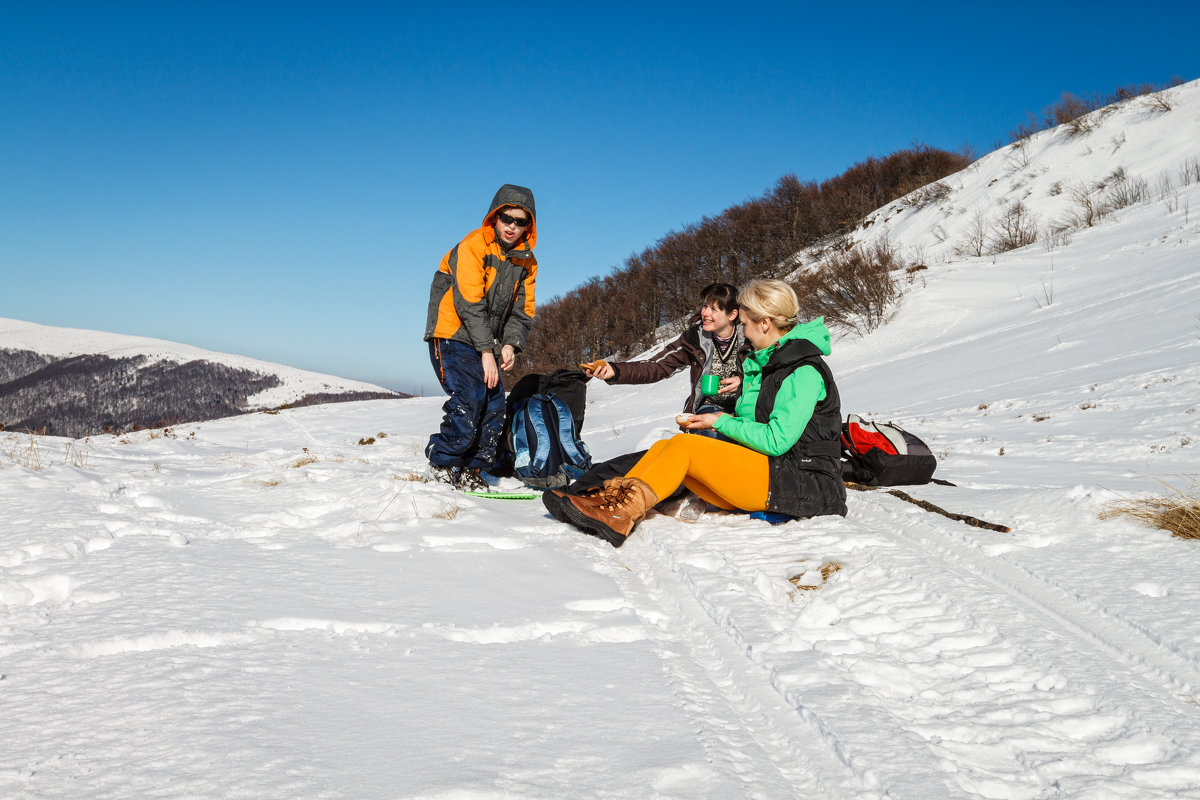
(617, 315)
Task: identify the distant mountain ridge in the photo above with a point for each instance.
(76, 383)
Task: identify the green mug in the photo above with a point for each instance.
(710, 384)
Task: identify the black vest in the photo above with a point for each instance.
(806, 481)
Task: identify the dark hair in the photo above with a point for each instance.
(722, 295)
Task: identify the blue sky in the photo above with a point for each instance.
(280, 179)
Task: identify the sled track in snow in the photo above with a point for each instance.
(929, 650)
(824, 736)
(1110, 709)
(1109, 635)
(746, 727)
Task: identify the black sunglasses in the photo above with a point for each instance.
(520, 222)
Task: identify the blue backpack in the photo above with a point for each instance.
(544, 440)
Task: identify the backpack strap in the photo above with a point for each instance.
(532, 408)
(566, 433)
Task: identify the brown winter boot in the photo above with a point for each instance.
(611, 513)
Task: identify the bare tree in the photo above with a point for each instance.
(974, 240)
(1017, 227)
(1088, 210)
(855, 289)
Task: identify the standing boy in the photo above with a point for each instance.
(481, 307)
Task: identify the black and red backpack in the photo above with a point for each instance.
(884, 454)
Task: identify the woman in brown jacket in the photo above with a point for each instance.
(712, 344)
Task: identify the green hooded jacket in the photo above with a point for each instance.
(794, 405)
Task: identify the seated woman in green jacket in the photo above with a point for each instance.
(785, 453)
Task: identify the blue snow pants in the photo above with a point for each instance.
(473, 418)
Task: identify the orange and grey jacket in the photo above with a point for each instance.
(482, 295)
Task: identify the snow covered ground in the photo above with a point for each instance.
(263, 607)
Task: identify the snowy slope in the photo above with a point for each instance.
(262, 607)
(1137, 146)
(67, 342)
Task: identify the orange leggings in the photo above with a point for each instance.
(727, 475)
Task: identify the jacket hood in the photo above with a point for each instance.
(814, 331)
(512, 195)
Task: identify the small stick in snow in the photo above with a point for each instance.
(925, 504)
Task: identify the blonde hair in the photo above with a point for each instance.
(776, 300)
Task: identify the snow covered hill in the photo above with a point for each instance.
(273, 606)
(75, 382)
(1043, 189)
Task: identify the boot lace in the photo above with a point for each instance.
(614, 495)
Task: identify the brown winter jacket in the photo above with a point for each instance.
(482, 295)
(693, 349)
